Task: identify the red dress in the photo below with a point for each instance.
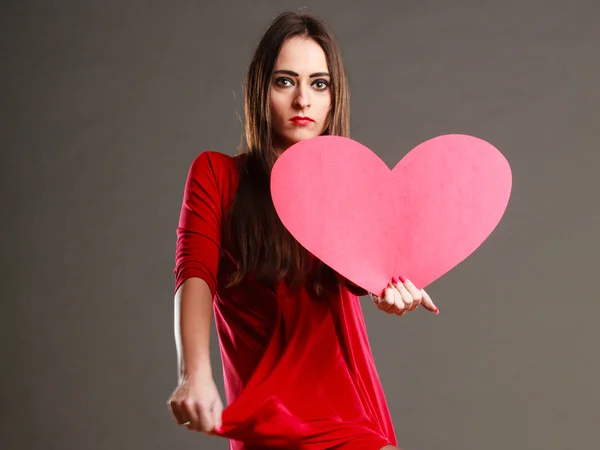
(299, 373)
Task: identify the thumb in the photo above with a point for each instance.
(427, 303)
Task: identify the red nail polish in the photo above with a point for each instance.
(395, 279)
(437, 311)
(402, 278)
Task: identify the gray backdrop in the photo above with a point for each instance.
(105, 105)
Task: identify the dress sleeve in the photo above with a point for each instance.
(199, 229)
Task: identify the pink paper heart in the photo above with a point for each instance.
(370, 223)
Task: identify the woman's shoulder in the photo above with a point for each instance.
(216, 163)
(214, 160)
(217, 170)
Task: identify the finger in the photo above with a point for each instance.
(375, 299)
(401, 313)
(387, 301)
(378, 297)
(205, 419)
(415, 293)
(400, 307)
(397, 305)
(406, 297)
(217, 413)
(428, 303)
(175, 410)
(189, 410)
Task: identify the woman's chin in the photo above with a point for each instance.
(302, 136)
(294, 138)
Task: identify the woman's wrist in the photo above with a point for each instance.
(200, 371)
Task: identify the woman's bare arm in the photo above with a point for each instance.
(196, 402)
(193, 318)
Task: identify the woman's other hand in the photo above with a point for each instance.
(196, 404)
(402, 296)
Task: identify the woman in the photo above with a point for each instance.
(298, 368)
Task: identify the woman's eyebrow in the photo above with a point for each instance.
(294, 74)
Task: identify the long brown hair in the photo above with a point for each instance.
(254, 234)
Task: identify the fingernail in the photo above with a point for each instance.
(437, 311)
(395, 279)
(402, 278)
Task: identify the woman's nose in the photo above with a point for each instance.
(301, 99)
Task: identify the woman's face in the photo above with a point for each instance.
(300, 95)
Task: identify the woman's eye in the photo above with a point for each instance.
(283, 82)
(321, 84)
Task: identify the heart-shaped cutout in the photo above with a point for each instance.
(369, 223)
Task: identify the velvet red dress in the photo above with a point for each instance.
(298, 372)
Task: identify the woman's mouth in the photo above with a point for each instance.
(301, 120)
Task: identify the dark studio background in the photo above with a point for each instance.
(104, 105)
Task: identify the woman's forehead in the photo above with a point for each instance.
(301, 55)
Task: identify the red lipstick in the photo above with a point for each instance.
(301, 120)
